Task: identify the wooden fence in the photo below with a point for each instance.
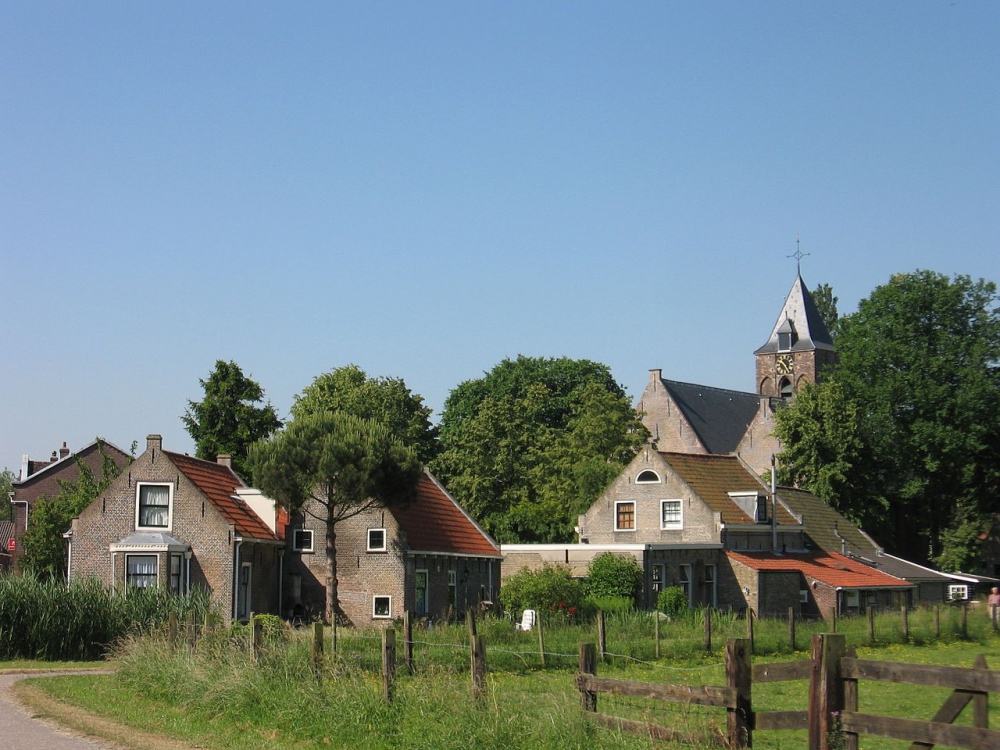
(831, 717)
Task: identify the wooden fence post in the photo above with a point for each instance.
(256, 636)
(541, 640)
(937, 622)
(871, 626)
(172, 630)
(656, 631)
(708, 629)
(850, 702)
(470, 621)
(833, 619)
(602, 636)
(408, 642)
(479, 667)
(825, 697)
(791, 627)
(906, 623)
(317, 650)
(588, 666)
(388, 663)
(192, 634)
(750, 628)
(739, 676)
(981, 701)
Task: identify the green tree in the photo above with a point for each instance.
(614, 576)
(826, 305)
(7, 479)
(51, 517)
(546, 588)
(530, 445)
(348, 389)
(918, 405)
(333, 466)
(231, 417)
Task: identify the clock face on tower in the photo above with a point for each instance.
(784, 364)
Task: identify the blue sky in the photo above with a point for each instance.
(424, 189)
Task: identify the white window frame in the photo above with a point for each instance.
(375, 601)
(618, 504)
(170, 505)
(297, 543)
(385, 541)
(640, 480)
(156, 575)
(679, 524)
(961, 589)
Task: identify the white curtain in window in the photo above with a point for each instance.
(141, 570)
(154, 506)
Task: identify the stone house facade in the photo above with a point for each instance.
(179, 522)
(429, 557)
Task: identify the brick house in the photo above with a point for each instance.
(429, 557)
(180, 522)
(41, 478)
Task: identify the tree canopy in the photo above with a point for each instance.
(230, 418)
(531, 444)
(904, 433)
(333, 466)
(387, 400)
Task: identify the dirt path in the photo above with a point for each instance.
(28, 719)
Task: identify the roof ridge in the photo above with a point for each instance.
(712, 388)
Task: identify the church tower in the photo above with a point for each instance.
(799, 348)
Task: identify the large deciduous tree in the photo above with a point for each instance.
(231, 417)
(333, 466)
(904, 434)
(531, 444)
(387, 400)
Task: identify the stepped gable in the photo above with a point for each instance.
(831, 568)
(218, 483)
(436, 523)
(713, 477)
(720, 417)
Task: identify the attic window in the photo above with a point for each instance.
(302, 540)
(152, 507)
(376, 540)
(647, 477)
(625, 516)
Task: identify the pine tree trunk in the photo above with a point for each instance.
(332, 604)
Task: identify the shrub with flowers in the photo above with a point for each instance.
(549, 588)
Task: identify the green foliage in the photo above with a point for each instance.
(547, 587)
(46, 619)
(608, 604)
(672, 600)
(904, 434)
(610, 575)
(531, 444)
(228, 420)
(826, 305)
(334, 466)
(6, 487)
(348, 389)
(44, 545)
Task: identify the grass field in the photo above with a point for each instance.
(220, 698)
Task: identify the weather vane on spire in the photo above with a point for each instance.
(798, 255)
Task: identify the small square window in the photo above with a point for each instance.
(376, 540)
(670, 514)
(625, 516)
(382, 607)
(302, 540)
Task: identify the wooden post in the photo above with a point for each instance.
(317, 650)
(825, 698)
(656, 631)
(906, 623)
(739, 676)
(479, 668)
(749, 628)
(833, 619)
(541, 641)
(791, 627)
(708, 629)
(981, 701)
(256, 636)
(192, 633)
(602, 636)
(937, 622)
(871, 626)
(470, 621)
(408, 642)
(851, 702)
(388, 663)
(172, 630)
(588, 666)
(964, 622)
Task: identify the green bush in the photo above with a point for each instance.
(672, 601)
(614, 576)
(608, 604)
(549, 587)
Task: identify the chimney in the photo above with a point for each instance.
(154, 443)
(656, 375)
(54, 457)
(224, 459)
(64, 451)
(25, 466)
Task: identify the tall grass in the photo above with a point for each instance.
(51, 620)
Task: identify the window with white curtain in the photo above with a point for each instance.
(140, 571)
(153, 511)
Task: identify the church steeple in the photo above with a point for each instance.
(798, 348)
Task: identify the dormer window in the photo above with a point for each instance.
(761, 514)
(647, 477)
(754, 504)
(786, 336)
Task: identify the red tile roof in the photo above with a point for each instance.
(218, 483)
(713, 477)
(830, 568)
(436, 523)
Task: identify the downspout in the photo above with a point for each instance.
(69, 554)
(236, 575)
(114, 581)
(774, 506)
(10, 496)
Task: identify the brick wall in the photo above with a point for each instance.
(665, 421)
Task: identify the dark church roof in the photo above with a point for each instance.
(800, 317)
(720, 417)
